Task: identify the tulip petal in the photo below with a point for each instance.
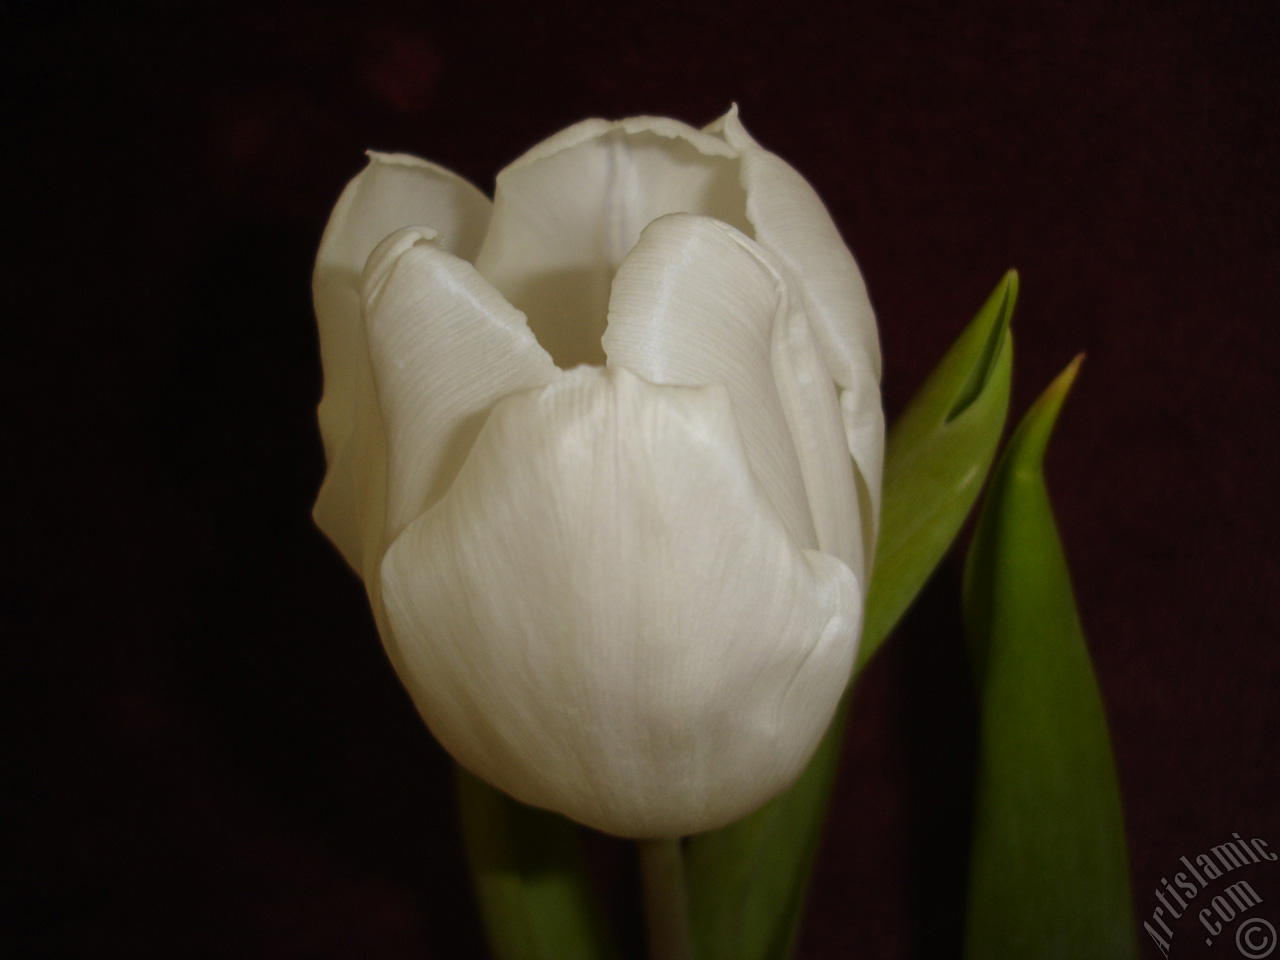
(747, 881)
(445, 347)
(813, 411)
(393, 191)
(567, 212)
(790, 221)
(695, 303)
(659, 655)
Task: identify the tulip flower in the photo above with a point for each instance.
(606, 453)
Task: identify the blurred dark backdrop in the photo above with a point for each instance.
(211, 756)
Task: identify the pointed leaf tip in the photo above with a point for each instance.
(936, 460)
(1031, 440)
(1046, 790)
(995, 316)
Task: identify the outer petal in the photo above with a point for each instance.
(445, 347)
(393, 191)
(696, 302)
(789, 219)
(569, 210)
(605, 617)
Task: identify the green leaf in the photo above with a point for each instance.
(530, 879)
(1049, 874)
(937, 457)
(747, 881)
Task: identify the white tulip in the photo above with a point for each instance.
(606, 452)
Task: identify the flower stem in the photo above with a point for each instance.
(666, 904)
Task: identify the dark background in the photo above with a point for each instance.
(213, 759)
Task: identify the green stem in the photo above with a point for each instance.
(666, 904)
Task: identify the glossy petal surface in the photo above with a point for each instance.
(790, 221)
(393, 191)
(445, 348)
(696, 303)
(567, 213)
(605, 616)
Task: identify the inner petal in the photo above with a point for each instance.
(698, 303)
(563, 223)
